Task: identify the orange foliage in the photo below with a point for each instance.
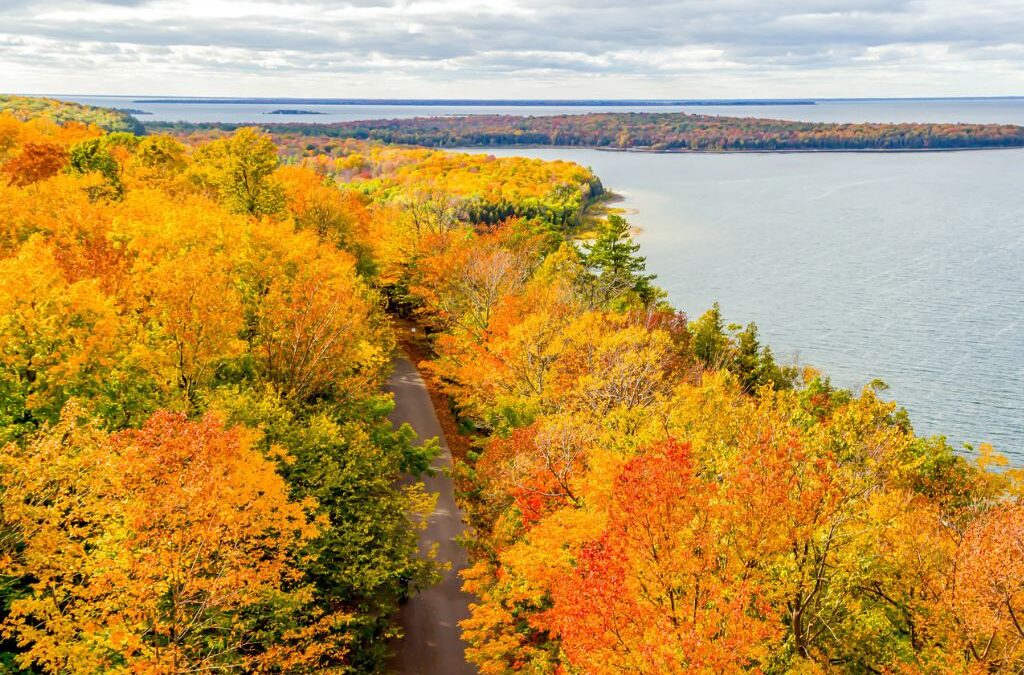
(35, 162)
(662, 590)
(179, 530)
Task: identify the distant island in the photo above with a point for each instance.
(133, 111)
(293, 111)
(505, 103)
(642, 131)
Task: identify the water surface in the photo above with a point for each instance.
(992, 110)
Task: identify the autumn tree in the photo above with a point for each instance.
(35, 162)
(661, 591)
(987, 597)
(316, 327)
(239, 171)
(156, 550)
(62, 340)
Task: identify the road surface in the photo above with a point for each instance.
(432, 644)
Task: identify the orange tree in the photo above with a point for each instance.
(160, 550)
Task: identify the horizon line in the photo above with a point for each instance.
(517, 101)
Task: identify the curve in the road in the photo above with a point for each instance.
(432, 644)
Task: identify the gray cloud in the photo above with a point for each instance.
(479, 46)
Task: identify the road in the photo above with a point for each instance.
(432, 644)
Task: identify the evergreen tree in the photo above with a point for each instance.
(615, 268)
(710, 343)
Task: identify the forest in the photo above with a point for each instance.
(655, 132)
(197, 471)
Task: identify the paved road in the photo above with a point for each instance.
(432, 644)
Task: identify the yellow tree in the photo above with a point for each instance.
(196, 309)
(60, 340)
(317, 327)
(239, 171)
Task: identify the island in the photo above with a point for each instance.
(288, 111)
(641, 131)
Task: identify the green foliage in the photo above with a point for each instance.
(755, 364)
(239, 170)
(738, 351)
(710, 343)
(161, 152)
(365, 559)
(614, 267)
(92, 156)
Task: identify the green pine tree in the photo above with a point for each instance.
(615, 268)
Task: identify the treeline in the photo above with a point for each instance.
(32, 107)
(667, 132)
(197, 471)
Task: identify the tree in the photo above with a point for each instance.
(710, 342)
(755, 365)
(464, 279)
(987, 595)
(197, 310)
(35, 162)
(93, 156)
(611, 368)
(240, 172)
(365, 558)
(62, 340)
(317, 331)
(660, 591)
(615, 268)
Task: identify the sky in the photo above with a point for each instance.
(514, 48)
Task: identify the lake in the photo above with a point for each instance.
(903, 267)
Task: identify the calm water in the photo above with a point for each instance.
(256, 113)
(1007, 110)
(903, 267)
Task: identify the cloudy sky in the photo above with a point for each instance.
(514, 48)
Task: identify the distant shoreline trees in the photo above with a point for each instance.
(656, 132)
